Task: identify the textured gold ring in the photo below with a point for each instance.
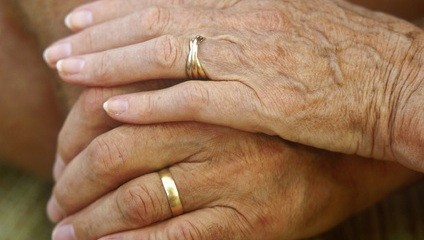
(171, 190)
(194, 68)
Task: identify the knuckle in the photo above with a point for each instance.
(89, 38)
(195, 97)
(167, 51)
(184, 230)
(271, 19)
(103, 70)
(155, 19)
(106, 157)
(148, 108)
(137, 205)
(89, 104)
(234, 50)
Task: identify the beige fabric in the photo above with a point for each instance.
(22, 217)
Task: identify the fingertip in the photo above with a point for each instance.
(59, 65)
(78, 20)
(46, 56)
(106, 109)
(57, 52)
(71, 66)
(105, 106)
(54, 211)
(68, 23)
(116, 106)
(65, 232)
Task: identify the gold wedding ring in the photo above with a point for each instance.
(194, 68)
(171, 190)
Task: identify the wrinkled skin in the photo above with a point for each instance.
(43, 20)
(233, 185)
(110, 174)
(388, 177)
(322, 73)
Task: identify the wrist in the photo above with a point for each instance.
(408, 128)
(400, 121)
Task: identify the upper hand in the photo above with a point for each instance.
(312, 72)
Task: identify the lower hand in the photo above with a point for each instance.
(233, 185)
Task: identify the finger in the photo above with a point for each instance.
(139, 203)
(155, 59)
(223, 222)
(230, 104)
(101, 11)
(138, 27)
(84, 122)
(204, 224)
(160, 58)
(87, 120)
(118, 156)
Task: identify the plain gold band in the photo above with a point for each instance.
(171, 190)
(194, 68)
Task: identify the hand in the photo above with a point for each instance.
(87, 120)
(313, 72)
(247, 185)
(94, 174)
(233, 185)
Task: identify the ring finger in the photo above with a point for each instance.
(120, 155)
(140, 202)
(160, 58)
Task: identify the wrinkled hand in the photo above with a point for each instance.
(233, 185)
(322, 73)
(87, 120)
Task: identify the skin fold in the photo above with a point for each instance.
(43, 21)
(343, 79)
(228, 191)
(348, 183)
(292, 187)
(78, 222)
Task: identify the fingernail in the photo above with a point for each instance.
(116, 106)
(65, 232)
(70, 66)
(59, 167)
(57, 52)
(54, 211)
(79, 20)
